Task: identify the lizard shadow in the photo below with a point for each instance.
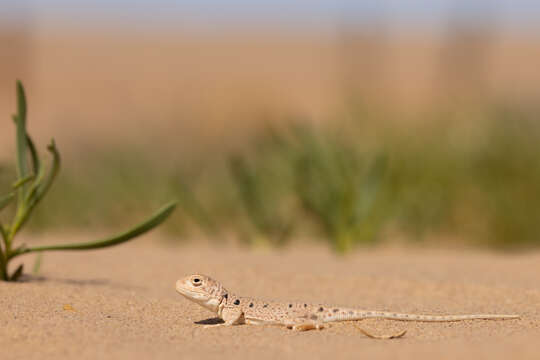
(210, 321)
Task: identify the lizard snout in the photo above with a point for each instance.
(179, 286)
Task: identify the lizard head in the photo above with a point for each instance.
(202, 290)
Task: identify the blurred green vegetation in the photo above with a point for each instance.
(472, 176)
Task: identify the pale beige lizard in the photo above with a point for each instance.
(236, 310)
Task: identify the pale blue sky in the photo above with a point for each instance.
(218, 13)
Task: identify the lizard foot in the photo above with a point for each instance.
(306, 327)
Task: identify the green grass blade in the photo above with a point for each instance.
(36, 164)
(248, 188)
(38, 190)
(21, 101)
(17, 184)
(370, 188)
(192, 206)
(44, 185)
(20, 119)
(36, 184)
(5, 200)
(156, 219)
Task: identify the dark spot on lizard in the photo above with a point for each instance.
(305, 305)
(335, 310)
(290, 305)
(265, 305)
(226, 296)
(236, 302)
(321, 309)
(250, 304)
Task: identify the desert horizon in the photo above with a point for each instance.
(212, 88)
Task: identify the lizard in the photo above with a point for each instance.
(238, 310)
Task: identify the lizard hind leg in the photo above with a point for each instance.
(307, 326)
(303, 324)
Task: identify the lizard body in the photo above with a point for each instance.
(236, 310)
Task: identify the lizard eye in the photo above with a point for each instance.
(196, 281)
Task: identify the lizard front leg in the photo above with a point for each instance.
(230, 316)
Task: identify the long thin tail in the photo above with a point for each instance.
(351, 314)
(436, 318)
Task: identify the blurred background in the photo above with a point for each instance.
(350, 122)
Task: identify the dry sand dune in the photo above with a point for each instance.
(121, 303)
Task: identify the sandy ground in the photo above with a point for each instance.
(120, 303)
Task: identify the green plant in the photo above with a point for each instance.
(193, 207)
(32, 184)
(337, 189)
(507, 173)
(262, 201)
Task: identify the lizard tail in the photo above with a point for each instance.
(431, 318)
(352, 314)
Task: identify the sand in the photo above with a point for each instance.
(121, 303)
